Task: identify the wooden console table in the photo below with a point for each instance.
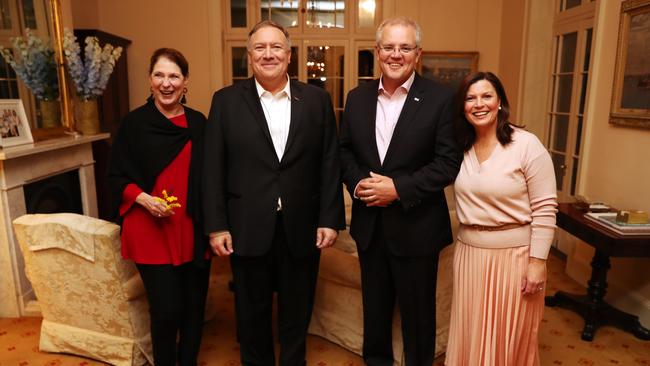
(593, 309)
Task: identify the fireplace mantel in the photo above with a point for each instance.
(21, 165)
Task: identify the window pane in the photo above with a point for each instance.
(366, 67)
(558, 165)
(560, 132)
(239, 62)
(588, 50)
(29, 16)
(238, 13)
(578, 137)
(574, 176)
(583, 92)
(325, 69)
(563, 99)
(5, 15)
(568, 55)
(325, 14)
(572, 4)
(293, 64)
(367, 13)
(283, 12)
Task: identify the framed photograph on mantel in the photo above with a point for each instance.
(448, 68)
(14, 127)
(631, 94)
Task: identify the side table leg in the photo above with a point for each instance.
(596, 290)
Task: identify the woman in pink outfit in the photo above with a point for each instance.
(506, 203)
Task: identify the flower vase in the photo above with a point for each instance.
(87, 116)
(50, 113)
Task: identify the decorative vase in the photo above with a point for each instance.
(87, 116)
(50, 113)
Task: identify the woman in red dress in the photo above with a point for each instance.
(156, 155)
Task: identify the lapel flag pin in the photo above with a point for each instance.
(416, 99)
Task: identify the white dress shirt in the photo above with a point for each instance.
(277, 111)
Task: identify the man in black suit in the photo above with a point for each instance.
(272, 195)
(398, 153)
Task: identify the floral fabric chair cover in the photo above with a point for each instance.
(92, 301)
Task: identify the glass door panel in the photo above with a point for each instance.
(570, 78)
(326, 69)
(238, 14)
(325, 14)
(239, 62)
(283, 12)
(293, 69)
(366, 16)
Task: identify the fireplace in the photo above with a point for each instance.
(55, 175)
(60, 193)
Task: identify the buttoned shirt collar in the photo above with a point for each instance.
(406, 85)
(286, 89)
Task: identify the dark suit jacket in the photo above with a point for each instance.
(243, 177)
(422, 159)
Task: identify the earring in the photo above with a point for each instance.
(499, 107)
(184, 99)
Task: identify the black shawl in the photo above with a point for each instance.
(144, 145)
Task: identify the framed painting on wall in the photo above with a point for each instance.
(631, 93)
(14, 127)
(448, 68)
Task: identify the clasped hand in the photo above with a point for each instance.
(155, 207)
(378, 190)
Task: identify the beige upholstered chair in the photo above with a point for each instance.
(93, 302)
(337, 314)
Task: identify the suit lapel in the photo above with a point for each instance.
(255, 106)
(369, 115)
(296, 111)
(414, 100)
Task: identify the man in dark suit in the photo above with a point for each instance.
(272, 195)
(398, 153)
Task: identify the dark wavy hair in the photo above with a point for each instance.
(172, 55)
(464, 130)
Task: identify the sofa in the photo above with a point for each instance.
(92, 301)
(337, 314)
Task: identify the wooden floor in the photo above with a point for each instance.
(560, 342)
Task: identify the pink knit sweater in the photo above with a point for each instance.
(515, 185)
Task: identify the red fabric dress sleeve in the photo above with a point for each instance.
(130, 193)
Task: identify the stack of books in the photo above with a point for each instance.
(608, 220)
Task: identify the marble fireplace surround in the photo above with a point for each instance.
(21, 165)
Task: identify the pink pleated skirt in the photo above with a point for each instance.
(492, 323)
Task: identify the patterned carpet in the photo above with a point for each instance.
(560, 342)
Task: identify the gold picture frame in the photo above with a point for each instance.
(14, 127)
(631, 93)
(447, 68)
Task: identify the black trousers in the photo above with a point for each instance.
(176, 297)
(411, 281)
(255, 280)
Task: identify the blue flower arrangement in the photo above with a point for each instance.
(34, 63)
(91, 74)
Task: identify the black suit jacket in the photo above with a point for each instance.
(422, 158)
(243, 177)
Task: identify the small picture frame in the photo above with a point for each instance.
(14, 127)
(631, 94)
(448, 68)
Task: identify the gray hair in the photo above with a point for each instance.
(264, 24)
(403, 21)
